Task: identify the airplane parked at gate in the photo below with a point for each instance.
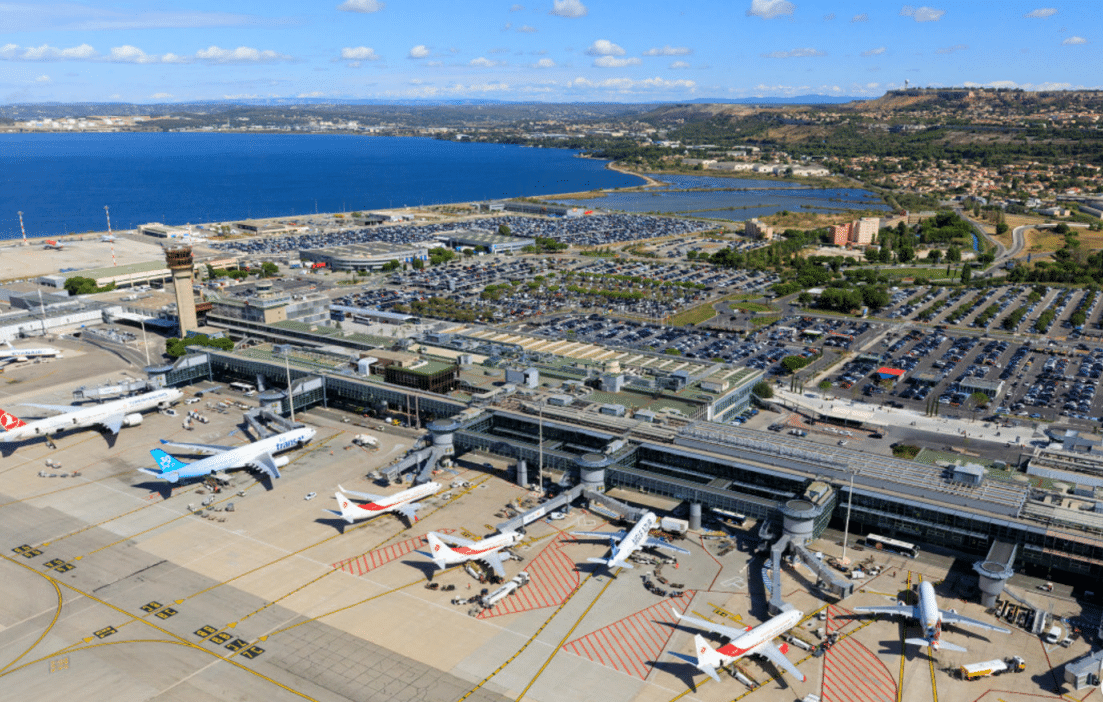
(756, 640)
(624, 544)
(256, 455)
(111, 416)
(375, 505)
(13, 354)
(487, 550)
(931, 619)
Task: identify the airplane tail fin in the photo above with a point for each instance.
(10, 421)
(708, 658)
(438, 550)
(169, 466)
(346, 506)
(941, 645)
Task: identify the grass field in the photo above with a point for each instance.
(763, 321)
(694, 315)
(752, 307)
(815, 220)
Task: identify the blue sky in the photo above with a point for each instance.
(541, 50)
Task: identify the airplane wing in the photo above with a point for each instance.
(659, 543)
(457, 540)
(266, 463)
(52, 408)
(899, 610)
(409, 511)
(207, 449)
(726, 631)
(953, 618)
(367, 496)
(113, 424)
(494, 560)
(770, 651)
(617, 535)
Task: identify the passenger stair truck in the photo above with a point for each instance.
(973, 671)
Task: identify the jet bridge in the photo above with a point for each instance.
(438, 453)
(112, 391)
(262, 422)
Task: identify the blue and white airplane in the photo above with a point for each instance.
(257, 455)
(625, 544)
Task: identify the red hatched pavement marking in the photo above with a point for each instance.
(633, 644)
(853, 673)
(367, 562)
(552, 577)
(838, 618)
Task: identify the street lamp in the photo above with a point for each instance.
(846, 525)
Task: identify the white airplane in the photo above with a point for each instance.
(13, 354)
(258, 455)
(111, 416)
(486, 550)
(625, 544)
(743, 642)
(375, 505)
(931, 619)
(108, 238)
(51, 244)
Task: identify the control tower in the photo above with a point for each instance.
(179, 260)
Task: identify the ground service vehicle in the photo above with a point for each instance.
(972, 671)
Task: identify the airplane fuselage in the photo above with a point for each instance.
(390, 503)
(930, 618)
(245, 455)
(479, 549)
(84, 417)
(764, 633)
(633, 541)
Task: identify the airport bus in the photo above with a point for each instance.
(883, 543)
(242, 387)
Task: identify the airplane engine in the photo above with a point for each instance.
(282, 461)
(132, 420)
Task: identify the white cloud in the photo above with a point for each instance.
(42, 79)
(922, 14)
(507, 26)
(359, 53)
(769, 9)
(669, 50)
(161, 96)
(516, 8)
(874, 52)
(131, 54)
(1071, 41)
(795, 53)
(13, 52)
(526, 29)
(860, 18)
(604, 47)
(1042, 12)
(952, 49)
(614, 62)
(628, 85)
(483, 62)
(419, 52)
(73, 16)
(828, 17)
(544, 63)
(679, 64)
(568, 8)
(365, 6)
(242, 54)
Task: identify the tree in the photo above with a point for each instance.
(417, 264)
(953, 254)
(468, 253)
(390, 266)
(805, 298)
(269, 269)
(966, 273)
(763, 390)
(1001, 228)
(504, 230)
(934, 255)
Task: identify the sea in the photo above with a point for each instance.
(62, 182)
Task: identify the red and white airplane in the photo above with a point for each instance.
(743, 642)
(51, 244)
(931, 619)
(487, 550)
(375, 505)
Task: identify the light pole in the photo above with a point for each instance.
(145, 341)
(540, 450)
(109, 237)
(846, 525)
(290, 390)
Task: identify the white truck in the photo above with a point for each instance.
(973, 671)
(672, 525)
(365, 440)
